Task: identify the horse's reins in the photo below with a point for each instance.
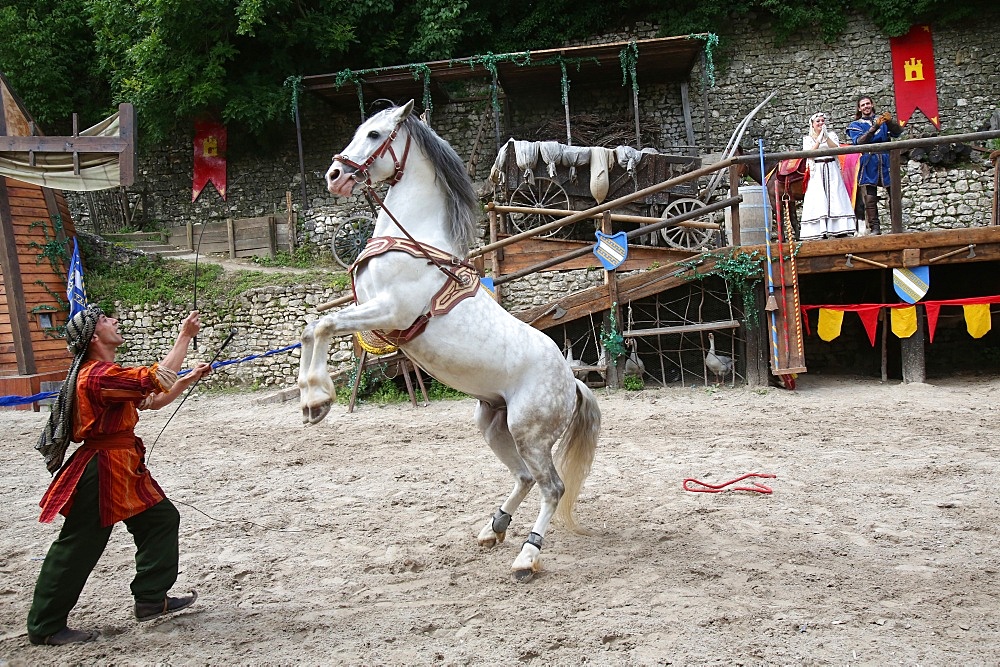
(362, 177)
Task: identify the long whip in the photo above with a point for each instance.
(767, 248)
(229, 338)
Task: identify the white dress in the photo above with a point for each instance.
(826, 208)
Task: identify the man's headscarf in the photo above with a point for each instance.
(56, 435)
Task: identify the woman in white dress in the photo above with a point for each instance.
(826, 208)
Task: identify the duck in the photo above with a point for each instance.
(719, 365)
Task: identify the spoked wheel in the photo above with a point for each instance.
(686, 238)
(543, 193)
(350, 237)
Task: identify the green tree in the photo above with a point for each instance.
(47, 54)
(180, 59)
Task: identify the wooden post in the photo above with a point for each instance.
(688, 122)
(272, 236)
(757, 344)
(913, 353)
(613, 377)
(885, 331)
(231, 233)
(895, 192)
(20, 331)
(190, 235)
(496, 256)
(291, 222)
(734, 210)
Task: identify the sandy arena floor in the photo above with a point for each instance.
(878, 546)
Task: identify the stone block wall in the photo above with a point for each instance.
(265, 319)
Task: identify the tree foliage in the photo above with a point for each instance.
(180, 59)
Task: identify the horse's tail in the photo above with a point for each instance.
(576, 453)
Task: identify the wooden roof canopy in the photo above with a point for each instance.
(660, 60)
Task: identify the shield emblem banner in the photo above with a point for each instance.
(911, 284)
(611, 250)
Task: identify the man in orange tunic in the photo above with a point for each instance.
(105, 480)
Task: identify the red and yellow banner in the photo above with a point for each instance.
(913, 74)
(209, 157)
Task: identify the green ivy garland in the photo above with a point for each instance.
(294, 85)
(711, 43)
(741, 270)
(422, 70)
(611, 337)
(53, 249)
(629, 59)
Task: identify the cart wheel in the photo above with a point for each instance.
(685, 238)
(544, 193)
(350, 237)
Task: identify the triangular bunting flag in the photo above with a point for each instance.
(904, 321)
(933, 309)
(869, 318)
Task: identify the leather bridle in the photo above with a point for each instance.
(362, 177)
(361, 174)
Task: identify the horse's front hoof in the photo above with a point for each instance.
(314, 414)
(523, 576)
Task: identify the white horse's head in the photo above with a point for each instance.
(372, 154)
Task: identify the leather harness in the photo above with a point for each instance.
(463, 282)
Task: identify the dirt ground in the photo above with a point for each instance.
(353, 542)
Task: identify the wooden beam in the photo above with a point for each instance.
(895, 192)
(63, 144)
(11, 267)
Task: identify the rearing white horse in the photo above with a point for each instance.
(412, 285)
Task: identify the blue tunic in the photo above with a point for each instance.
(874, 167)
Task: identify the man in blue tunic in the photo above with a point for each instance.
(868, 128)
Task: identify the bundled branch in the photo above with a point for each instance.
(593, 130)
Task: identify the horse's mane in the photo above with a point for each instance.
(463, 204)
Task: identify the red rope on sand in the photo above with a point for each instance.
(717, 488)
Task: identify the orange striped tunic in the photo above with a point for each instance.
(105, 413)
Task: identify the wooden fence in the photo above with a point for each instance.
(236, 237)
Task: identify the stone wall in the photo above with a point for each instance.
(265, 319)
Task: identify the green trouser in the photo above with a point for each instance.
(82, 540)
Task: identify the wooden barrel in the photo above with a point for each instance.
(753, 231)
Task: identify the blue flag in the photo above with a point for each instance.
(76, 293)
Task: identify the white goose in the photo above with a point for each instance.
(575, 364)
(720, 365)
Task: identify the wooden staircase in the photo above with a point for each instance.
(151, 243)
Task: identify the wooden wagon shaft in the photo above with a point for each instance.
(883, 147)
(648, 229)
(615, 217)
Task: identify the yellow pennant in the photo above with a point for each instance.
(977, 319)
(904, 321)
(830, 322)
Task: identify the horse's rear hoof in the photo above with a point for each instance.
(523, 576)
(315, 414)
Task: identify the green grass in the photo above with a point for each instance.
(161, 280)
